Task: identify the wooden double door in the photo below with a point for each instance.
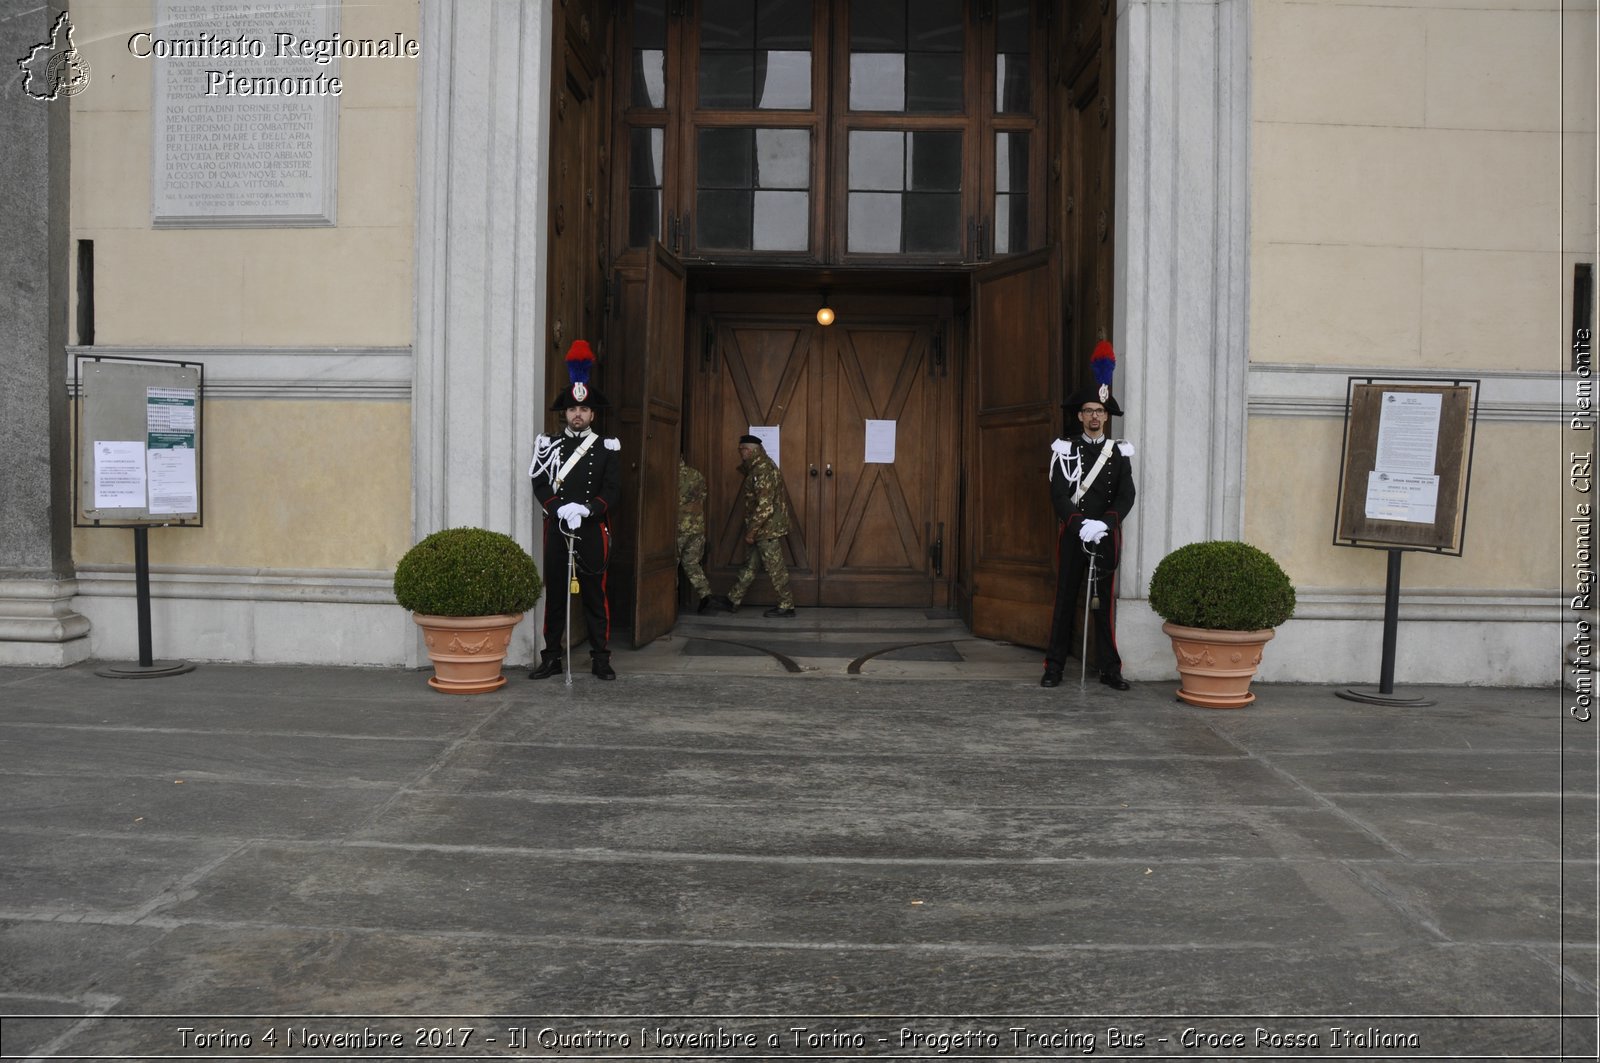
(865, 416)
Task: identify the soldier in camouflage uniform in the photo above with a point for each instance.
(692, 529)
(766, 523)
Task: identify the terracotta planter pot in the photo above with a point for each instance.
(467, 651)
(1216, 666)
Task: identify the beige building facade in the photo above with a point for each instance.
(1304, 192)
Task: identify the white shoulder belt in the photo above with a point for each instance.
(1085, 483)
(577, 455)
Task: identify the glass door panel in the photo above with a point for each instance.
(649, 71)
(1013, 46)
(907, 56)
(753, 189)
(904, 192)
(754, 55)
(1011, 193)
(646, 177)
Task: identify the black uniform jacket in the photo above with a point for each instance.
(596, 481)
(1109, 498)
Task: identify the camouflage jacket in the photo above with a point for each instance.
(766, 507)
(691, 500)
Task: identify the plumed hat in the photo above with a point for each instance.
(1103, 362)
(580, 366)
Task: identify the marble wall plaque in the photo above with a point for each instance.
(245, 129)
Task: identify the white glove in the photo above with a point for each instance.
(573, 513)
(1092, 531)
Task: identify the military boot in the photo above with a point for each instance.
(549, 665)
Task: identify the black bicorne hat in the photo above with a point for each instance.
(1104, 363)
(580, 365)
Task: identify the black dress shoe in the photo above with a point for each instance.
(1050, 679)
(602, 670)
(1114, 681)
(775, 611)
(547, 668)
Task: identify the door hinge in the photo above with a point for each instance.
(672, 232)
(937, 365)
(977, 238)
(936, 550)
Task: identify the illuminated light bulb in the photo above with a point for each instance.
(825, 316)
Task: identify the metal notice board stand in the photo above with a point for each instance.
(138, 439)
(1403, 480)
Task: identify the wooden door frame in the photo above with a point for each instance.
(1083, 209)
(1078, 63)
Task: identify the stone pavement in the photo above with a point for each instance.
(298, 862)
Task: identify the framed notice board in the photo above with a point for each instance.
(139, 440)
(1407, 464)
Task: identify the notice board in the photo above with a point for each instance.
(1407, 464)
(139, 442)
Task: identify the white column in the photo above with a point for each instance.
(1183, 155)
(482, 191)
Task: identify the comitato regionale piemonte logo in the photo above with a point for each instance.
(55, 68)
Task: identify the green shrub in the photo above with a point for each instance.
(467, 572)
(1223, 585)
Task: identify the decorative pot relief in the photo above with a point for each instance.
(457, 646)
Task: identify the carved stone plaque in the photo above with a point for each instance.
(245, 122)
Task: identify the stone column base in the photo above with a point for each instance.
(37, 625)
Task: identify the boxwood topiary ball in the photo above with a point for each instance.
(467, 572)
(1222, 585)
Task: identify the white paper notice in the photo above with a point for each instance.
(118, 474)
(172, 481)
(1408, 432)
(768, 434)
(1402, 496)
(880, 442)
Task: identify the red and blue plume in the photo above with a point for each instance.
(1103, 362)
(580, 361)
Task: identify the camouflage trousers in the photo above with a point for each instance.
(691, 548)
(768, 553)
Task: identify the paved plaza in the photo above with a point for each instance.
(721, 856)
